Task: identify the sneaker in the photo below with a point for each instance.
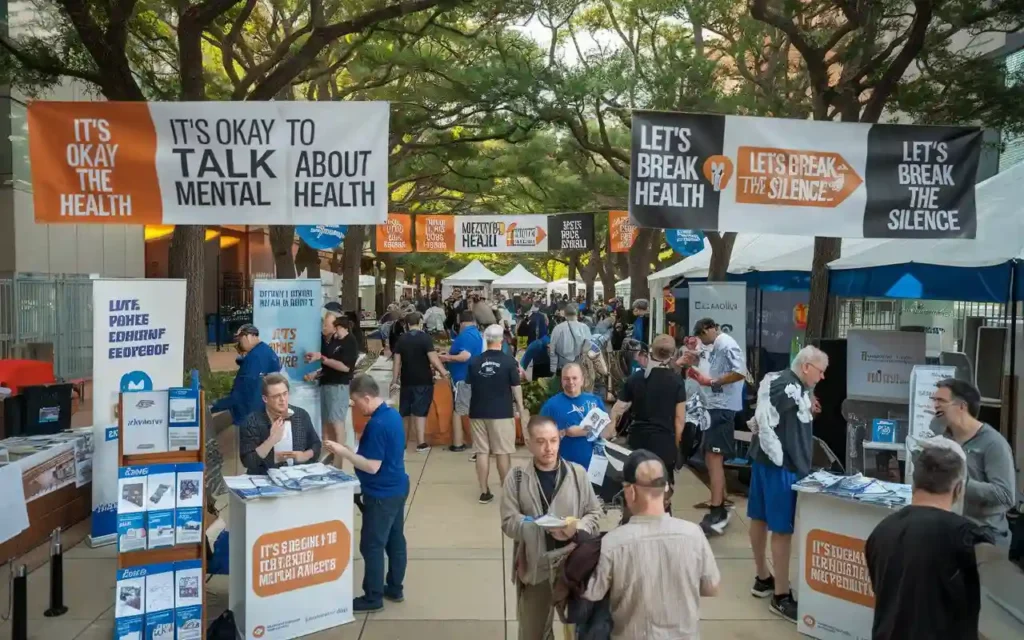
(362, 605)
(472, 458)
(486, 498)
(458, 449)
(394, 597)
(422, 448)
(714, 523)
(763, 588)
(784, 607)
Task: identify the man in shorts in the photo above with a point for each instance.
(414, 357)
(494, 380)
(467, 344)
(724, 399)
(771, 504)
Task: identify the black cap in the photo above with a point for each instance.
(637, 458)
(248, 329)
(703, 325)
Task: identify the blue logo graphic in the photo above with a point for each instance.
(883, 430)
(136, 381)
(685, 242)
(322, 237)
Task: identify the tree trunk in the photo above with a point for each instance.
(307, 260)
(825, 250)
(390, 274)
(721, 254)
(282, 237)
(574, 265)
(351, 259)
(186, 259)
(640, 264)
(604, 271)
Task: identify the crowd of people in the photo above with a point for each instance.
(921, 558)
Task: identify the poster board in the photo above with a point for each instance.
(879, 364)
(723, 302)
(138, 345)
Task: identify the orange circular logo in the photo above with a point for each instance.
(259, 631)
(810, 621)
(718, 171)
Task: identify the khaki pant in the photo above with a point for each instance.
(536, 613)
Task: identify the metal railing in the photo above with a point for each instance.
(39, 312)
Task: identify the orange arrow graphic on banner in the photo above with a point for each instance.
(524, 238)
(795, 178)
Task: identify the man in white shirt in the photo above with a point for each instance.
(724, 396)
(653, 554)
(433, 319)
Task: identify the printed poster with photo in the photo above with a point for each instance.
(802, 177)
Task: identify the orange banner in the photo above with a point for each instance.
(435, 234)
(97, 167)
(794, 178)
(396, 235)
(835, 565)
(622, 232)
(293, 559)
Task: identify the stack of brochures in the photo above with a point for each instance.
(286, 480)
(857, 487)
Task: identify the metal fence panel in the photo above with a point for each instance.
(52, 310)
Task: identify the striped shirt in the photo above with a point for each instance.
(653, 568)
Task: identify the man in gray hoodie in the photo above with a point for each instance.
(990, 490)
(569, 340)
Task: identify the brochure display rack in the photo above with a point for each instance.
(161, 561)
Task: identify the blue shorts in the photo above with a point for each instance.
(415, 400)
(771, 498)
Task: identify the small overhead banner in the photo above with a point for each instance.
(396, 235)
(288, 163)
(685, 242)
(802, 177)
(322, 237)
(435, 234)
(571, 232)
(621, 232)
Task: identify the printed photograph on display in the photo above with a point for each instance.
(801, 177)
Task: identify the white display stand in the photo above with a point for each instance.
(834, 595)
(291, 562)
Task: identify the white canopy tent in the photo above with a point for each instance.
(474, 274)
(561, 286)
(519, 278)
(1000, 237)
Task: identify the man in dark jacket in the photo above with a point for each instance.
(256, 361)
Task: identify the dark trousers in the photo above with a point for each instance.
(661, 443)
(383, 531)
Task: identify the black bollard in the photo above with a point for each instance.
(57, 607)
(19, 603)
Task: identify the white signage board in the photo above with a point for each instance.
(879, 364)
(938, 317)
(138, 337)
(723, 302)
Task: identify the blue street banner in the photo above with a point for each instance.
(322, 237)
(685, 242)
(287, 313)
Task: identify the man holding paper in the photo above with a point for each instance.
(544, 503)
(279, 436)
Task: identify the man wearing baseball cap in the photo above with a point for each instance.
(256, 361)
(653, 553)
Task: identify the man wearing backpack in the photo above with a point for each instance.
(570, 341)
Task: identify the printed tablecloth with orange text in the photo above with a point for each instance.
(295, 163)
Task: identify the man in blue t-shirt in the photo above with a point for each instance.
(380, 467)
(568, 409)
(467, 344)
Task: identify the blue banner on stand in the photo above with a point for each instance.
(322, 237)
(685, 242)
(287, 313)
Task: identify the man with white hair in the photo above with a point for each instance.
(494, 388)
(781, 453)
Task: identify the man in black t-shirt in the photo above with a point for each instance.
(338, 357)
(494, 384)
(921, 559)
(656, 396)
(414, 357)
